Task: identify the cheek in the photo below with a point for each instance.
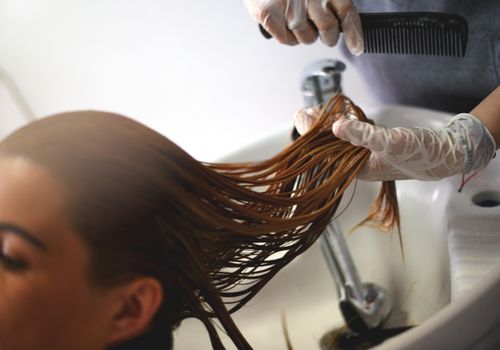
(49, 313)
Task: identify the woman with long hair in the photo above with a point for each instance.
(111, 235)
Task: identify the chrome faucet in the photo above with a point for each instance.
(363, 305)
(320, 81)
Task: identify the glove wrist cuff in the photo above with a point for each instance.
(474, 140)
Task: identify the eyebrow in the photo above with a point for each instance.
(25, 234)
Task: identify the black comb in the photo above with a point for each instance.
(417, 33)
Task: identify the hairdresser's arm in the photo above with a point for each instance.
(467, 143)
(488, 111)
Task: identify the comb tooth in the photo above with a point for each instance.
(462, 45)
(458, 45)
(410, 40)
(445, 45)
(397, 36)
(366, 35)
(398, 42)
(453, 44)
(426, 42)
(390, 38)
(430, 41)
(379, 40)
(435, 38)
(428, 46)
(421, 40)
(440, 44)
(383, 42)
(407, 41)
(403, 39)
(416, 38)
(386, 40)
(395, 40)
(375, 38)
(434, 41)
(374, 41)
(414, 41)
(368, 41)
(423, 32)
(437, 43)
(450, 39)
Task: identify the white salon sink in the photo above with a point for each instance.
(434, 219)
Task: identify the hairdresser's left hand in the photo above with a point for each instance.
(463, 145)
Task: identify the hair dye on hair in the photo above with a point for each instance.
(212, 234)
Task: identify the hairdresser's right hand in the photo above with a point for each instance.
(300, 21)
(461, 146)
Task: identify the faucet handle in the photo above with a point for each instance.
(321, 80)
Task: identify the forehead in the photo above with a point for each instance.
(31, 198)
(27, 191)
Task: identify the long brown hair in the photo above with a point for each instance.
(212, 234)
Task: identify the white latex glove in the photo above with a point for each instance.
(289, 21)
(462, 145)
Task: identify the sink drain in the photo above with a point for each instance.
(487, 199)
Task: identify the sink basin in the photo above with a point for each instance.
(450, 244)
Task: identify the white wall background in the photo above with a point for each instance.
(197, 71)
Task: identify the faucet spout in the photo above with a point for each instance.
(363, 305)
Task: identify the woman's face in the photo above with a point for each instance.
(46, 298)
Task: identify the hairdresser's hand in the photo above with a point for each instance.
(462, 145)
(299, 21)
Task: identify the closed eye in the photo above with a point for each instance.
(11, 263)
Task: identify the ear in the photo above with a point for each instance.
(136, 304)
